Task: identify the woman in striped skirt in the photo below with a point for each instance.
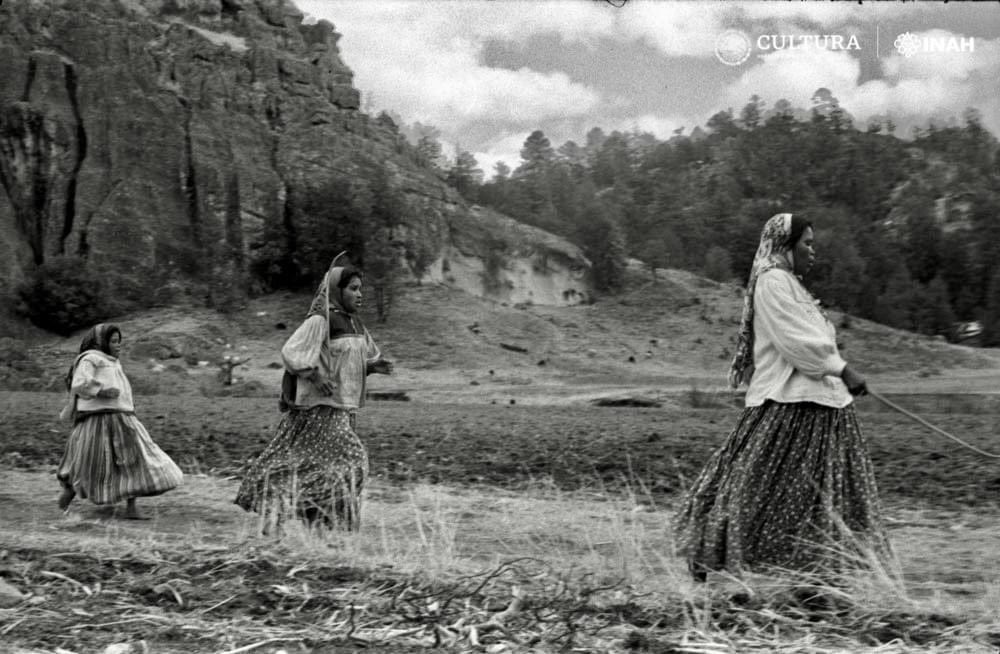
(793, 483)
(316, 465)
(109, 456)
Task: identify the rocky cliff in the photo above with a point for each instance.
(164, 137)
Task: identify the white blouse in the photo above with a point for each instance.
(795, 347)
(95, 372)
(342, 360)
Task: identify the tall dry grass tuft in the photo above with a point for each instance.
(539, 570)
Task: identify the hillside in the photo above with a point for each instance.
(192, 154)
(661, 338)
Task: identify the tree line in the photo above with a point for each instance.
(908, 230)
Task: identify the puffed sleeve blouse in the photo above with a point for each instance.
(796, 358)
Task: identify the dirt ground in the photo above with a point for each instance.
(569, 447)
(196, 577)
(496, 459)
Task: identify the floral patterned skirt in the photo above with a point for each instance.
(792, 487)
(315, 466)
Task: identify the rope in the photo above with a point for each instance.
(896, 407)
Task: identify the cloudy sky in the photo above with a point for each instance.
(488, 72)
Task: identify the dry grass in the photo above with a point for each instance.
(687, 338)
(472, 570)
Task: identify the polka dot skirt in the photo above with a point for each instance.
(791, 481)
(315, 466)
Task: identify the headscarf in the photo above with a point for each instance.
(328, 296)
(775, 251)
(98, 338)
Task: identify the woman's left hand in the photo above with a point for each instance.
(382, 367)
(856, 384)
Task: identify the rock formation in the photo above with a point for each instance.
(163, 138)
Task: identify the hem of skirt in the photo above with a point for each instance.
(82, 494)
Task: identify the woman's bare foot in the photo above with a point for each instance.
(66, 497)
(131, 512)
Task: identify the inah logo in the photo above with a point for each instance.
(909, 44)
(732, 47)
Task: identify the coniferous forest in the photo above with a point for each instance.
(907, 226)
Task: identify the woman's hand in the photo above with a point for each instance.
(108, 393)
(322, 384)
(382, 367)
(855, 382)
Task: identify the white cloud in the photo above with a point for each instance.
(930, 83)
(422, 61)
(674, 28)
(795, 75)
(945, 65)
(924, 85)
(827, 14)
(505, 148)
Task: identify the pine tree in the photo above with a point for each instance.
(604, 244)
(932, 311)
(532, 176)
(465, 175)
(718, 265)
(895, 304)
(991, 312)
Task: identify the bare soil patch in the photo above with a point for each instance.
(515, 446)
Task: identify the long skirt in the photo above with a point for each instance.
(315, 466)
(110, 457)
(792, 487)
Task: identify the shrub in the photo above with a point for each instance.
(63, 295)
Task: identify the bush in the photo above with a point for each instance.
(63, 295)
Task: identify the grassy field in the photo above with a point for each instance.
(567, 447)
(487, 528)
(506, 513)
(670, 335)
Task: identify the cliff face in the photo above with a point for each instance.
(164, 136)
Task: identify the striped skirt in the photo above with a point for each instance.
(315, 466)
(792, 487)
(110, 457)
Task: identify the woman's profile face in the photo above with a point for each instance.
(351, 295)
(804, 253)
(115, 344)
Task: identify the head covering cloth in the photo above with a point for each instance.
(328, 296)
(774, 251)
(97, 338)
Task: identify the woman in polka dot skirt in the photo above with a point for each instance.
(316, 465)
(794, 481)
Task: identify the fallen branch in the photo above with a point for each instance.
(247, 648)
(56, 575)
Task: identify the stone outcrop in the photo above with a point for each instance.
(164, 138)
(495, 256)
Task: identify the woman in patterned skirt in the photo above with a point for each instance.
(793, 483)
(316, 465)
(109, 456)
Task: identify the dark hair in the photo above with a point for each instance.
(799, 226)
(98, 338)
(349, 273)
